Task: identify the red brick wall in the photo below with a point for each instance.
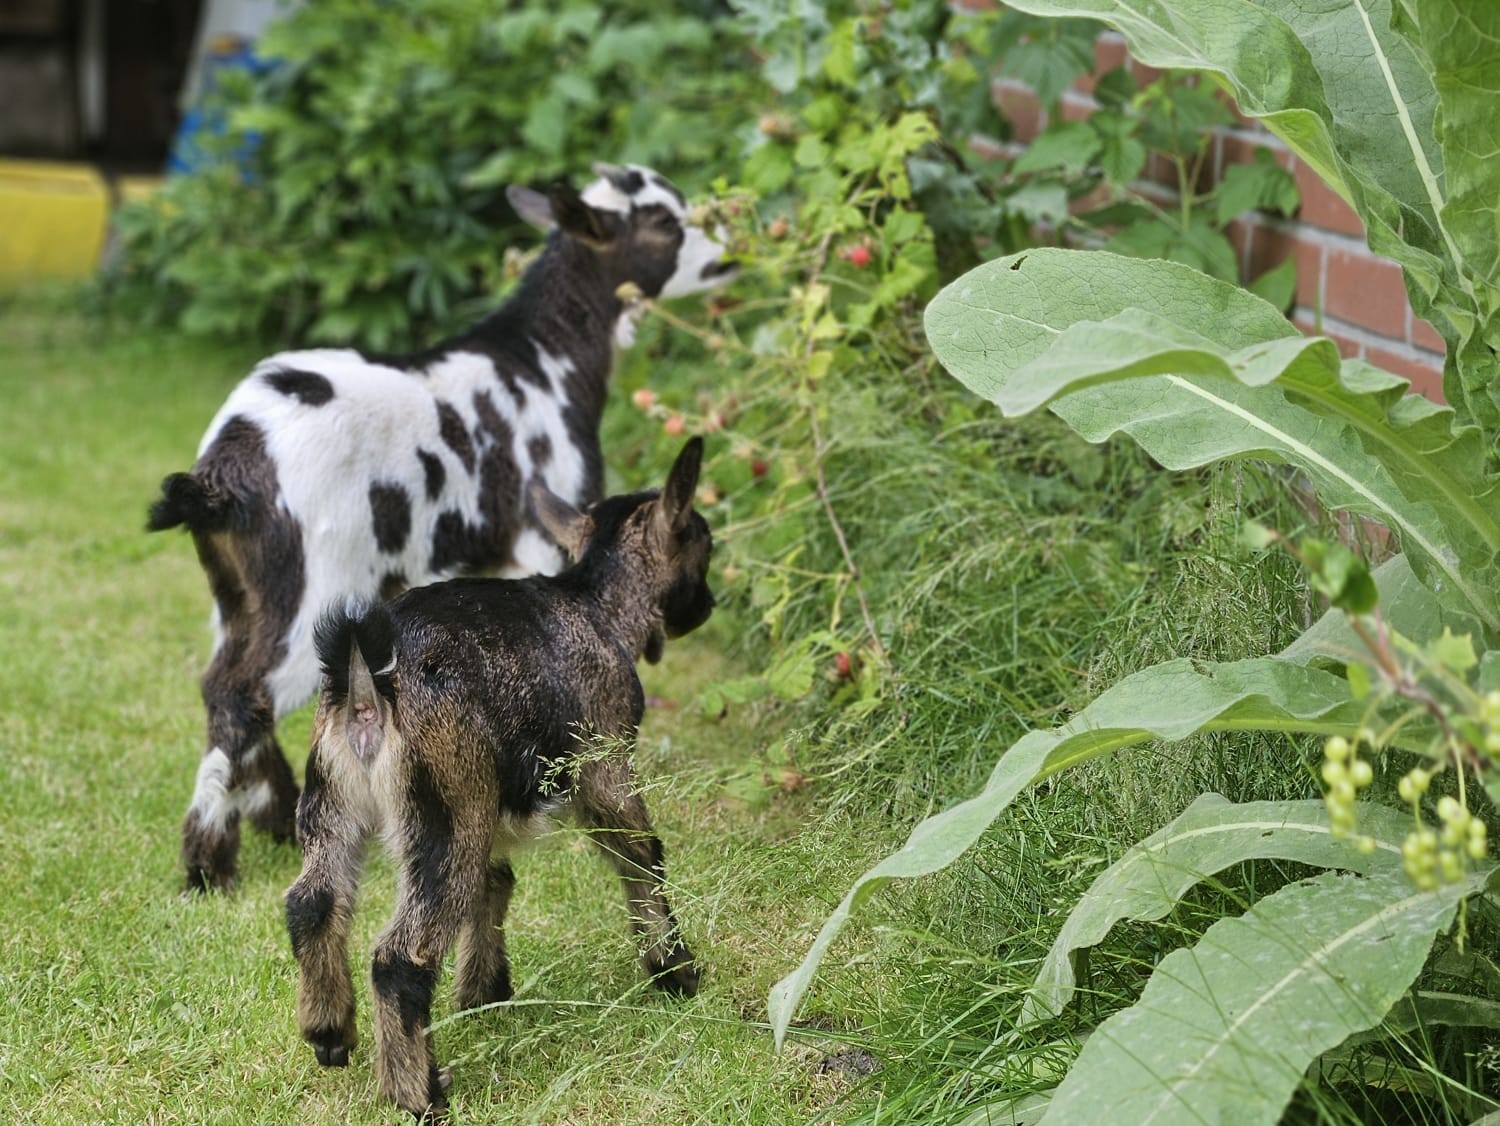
(1343, 290)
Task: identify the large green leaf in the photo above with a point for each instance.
(1169, 701)
(1408, 607)
(1197, 371)
(1209, 836)
(1461, 40)
(1354, 98)
(1225, 1030)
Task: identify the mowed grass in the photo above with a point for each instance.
(121, 1001)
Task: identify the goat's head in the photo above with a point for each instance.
(656, 536)
(637, 223)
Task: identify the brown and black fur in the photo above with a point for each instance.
(452, 719)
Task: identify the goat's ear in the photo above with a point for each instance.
(592, 225)
(532, 206)
(564, 523)
(676, 502)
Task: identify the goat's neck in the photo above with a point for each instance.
(627, 609)
(565, 305)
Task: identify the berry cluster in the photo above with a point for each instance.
(1345, 774)
(1441, 857)
(1489, 717)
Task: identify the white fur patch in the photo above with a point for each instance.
(210, 803)
(604, 196)
(214, 804)
(697, 253)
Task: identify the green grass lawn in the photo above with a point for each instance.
(122, 1002)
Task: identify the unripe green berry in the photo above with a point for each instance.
(1336, 749)
(1449, 809)
(1452, 867)
(1362, 773)
(1334, 772)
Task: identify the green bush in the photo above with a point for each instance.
(372, 206)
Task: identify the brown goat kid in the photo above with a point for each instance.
(452, 721)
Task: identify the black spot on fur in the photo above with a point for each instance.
(450, 541)
(307, 913)
(307, 387)
(392, 584)
(460, 545)
(432, 469)
(455, 434)
(390, 509)
(540, 450)
(409, 985)
(629, 182)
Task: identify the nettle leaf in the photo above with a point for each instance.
(1224, 1031)
(1069, 145)
(1261, 184)
(1356, 100)
(1197, 371)
(1170, 702)
(1278, 285)
(1209, 836)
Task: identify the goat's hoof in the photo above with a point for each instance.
(203, 882)
(332, 1055)
(679, 980)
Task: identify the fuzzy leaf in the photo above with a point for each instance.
(1197, 371)
(1224, 1031)
(1354, 99)
(1209, 836)
(1170, 701)
(1409, 608)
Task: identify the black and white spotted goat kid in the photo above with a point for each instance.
(453, 721)
(329, 473)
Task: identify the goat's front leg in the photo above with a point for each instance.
(483, 971)
(319, 906)
(611, 808)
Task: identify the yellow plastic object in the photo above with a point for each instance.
(52, 220)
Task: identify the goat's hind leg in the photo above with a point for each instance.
(482, 976)
(319, 907)
(612, 809)
(441, 853)
(243, 772)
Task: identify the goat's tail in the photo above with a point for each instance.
(187, 500)
(356, 645)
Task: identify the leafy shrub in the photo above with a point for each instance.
(371, 208)
(1389, 106)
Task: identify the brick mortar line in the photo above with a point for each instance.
(1368, 338)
